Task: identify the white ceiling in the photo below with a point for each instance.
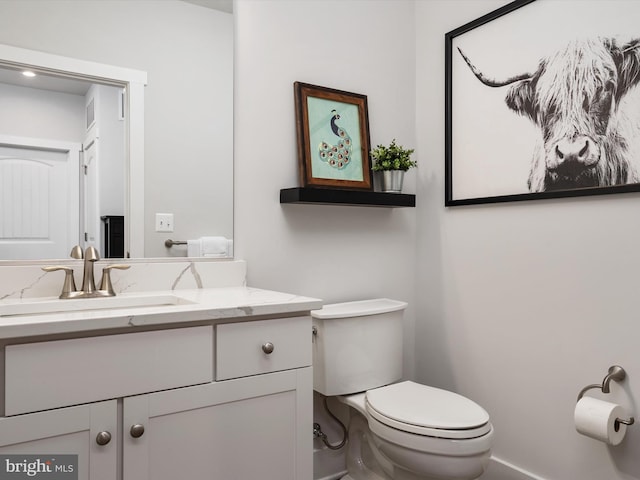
(44, 82)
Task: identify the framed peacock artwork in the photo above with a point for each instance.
(333, 138)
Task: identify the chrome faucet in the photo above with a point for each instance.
(88, 289)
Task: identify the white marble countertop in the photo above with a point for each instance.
(194, 305)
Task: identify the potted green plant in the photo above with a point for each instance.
(393, 161)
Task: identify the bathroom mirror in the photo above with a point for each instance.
(186, 51)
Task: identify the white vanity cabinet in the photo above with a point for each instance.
(247, 428)
(217, 401)
(71, 430)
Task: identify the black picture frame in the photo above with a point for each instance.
(456, 148)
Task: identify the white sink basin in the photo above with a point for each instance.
(38, 307)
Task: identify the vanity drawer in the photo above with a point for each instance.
(41, 376)
(242, 348)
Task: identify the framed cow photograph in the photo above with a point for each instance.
(542, 101)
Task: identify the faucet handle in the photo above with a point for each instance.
(105, 283)
(69, 285)
(76, 252)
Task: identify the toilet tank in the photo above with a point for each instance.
(357, 346)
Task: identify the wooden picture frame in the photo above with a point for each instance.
(534, 103)
(333, 138)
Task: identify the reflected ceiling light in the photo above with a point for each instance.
(28, 73)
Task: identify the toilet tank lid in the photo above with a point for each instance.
(359, 308)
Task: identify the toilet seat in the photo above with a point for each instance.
(427, 411)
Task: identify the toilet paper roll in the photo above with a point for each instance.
(597, 419)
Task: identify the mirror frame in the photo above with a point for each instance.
(133, 82)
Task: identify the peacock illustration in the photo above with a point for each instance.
(339, 155)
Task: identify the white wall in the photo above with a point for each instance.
(522, 304)
(30, 112)
(335, 253)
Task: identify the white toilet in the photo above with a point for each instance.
(399, 431)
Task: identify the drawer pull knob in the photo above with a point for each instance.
(136, 430)
(103, 438)
(268, 348)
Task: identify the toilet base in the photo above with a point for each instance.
(369, 457)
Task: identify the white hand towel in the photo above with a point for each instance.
(215, 246)
(194, 248)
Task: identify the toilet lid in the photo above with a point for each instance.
(424, 410)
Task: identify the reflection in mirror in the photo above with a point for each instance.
(53, 133)
(67, 151)
(187, 51)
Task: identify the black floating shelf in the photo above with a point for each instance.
(328, 196)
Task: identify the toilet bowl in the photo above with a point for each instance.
(421, 432)
(398, 430)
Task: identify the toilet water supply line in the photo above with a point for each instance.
(318, 433)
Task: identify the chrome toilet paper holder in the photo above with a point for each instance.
(617, 373)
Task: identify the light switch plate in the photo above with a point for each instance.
(164, 222)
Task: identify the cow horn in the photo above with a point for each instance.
(491, 82)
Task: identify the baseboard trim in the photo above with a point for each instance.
(502, 470)
(329, 465)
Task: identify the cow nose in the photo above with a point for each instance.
(580, 150)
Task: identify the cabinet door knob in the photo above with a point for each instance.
(103, 438)
(268, 348)
(136, 430)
